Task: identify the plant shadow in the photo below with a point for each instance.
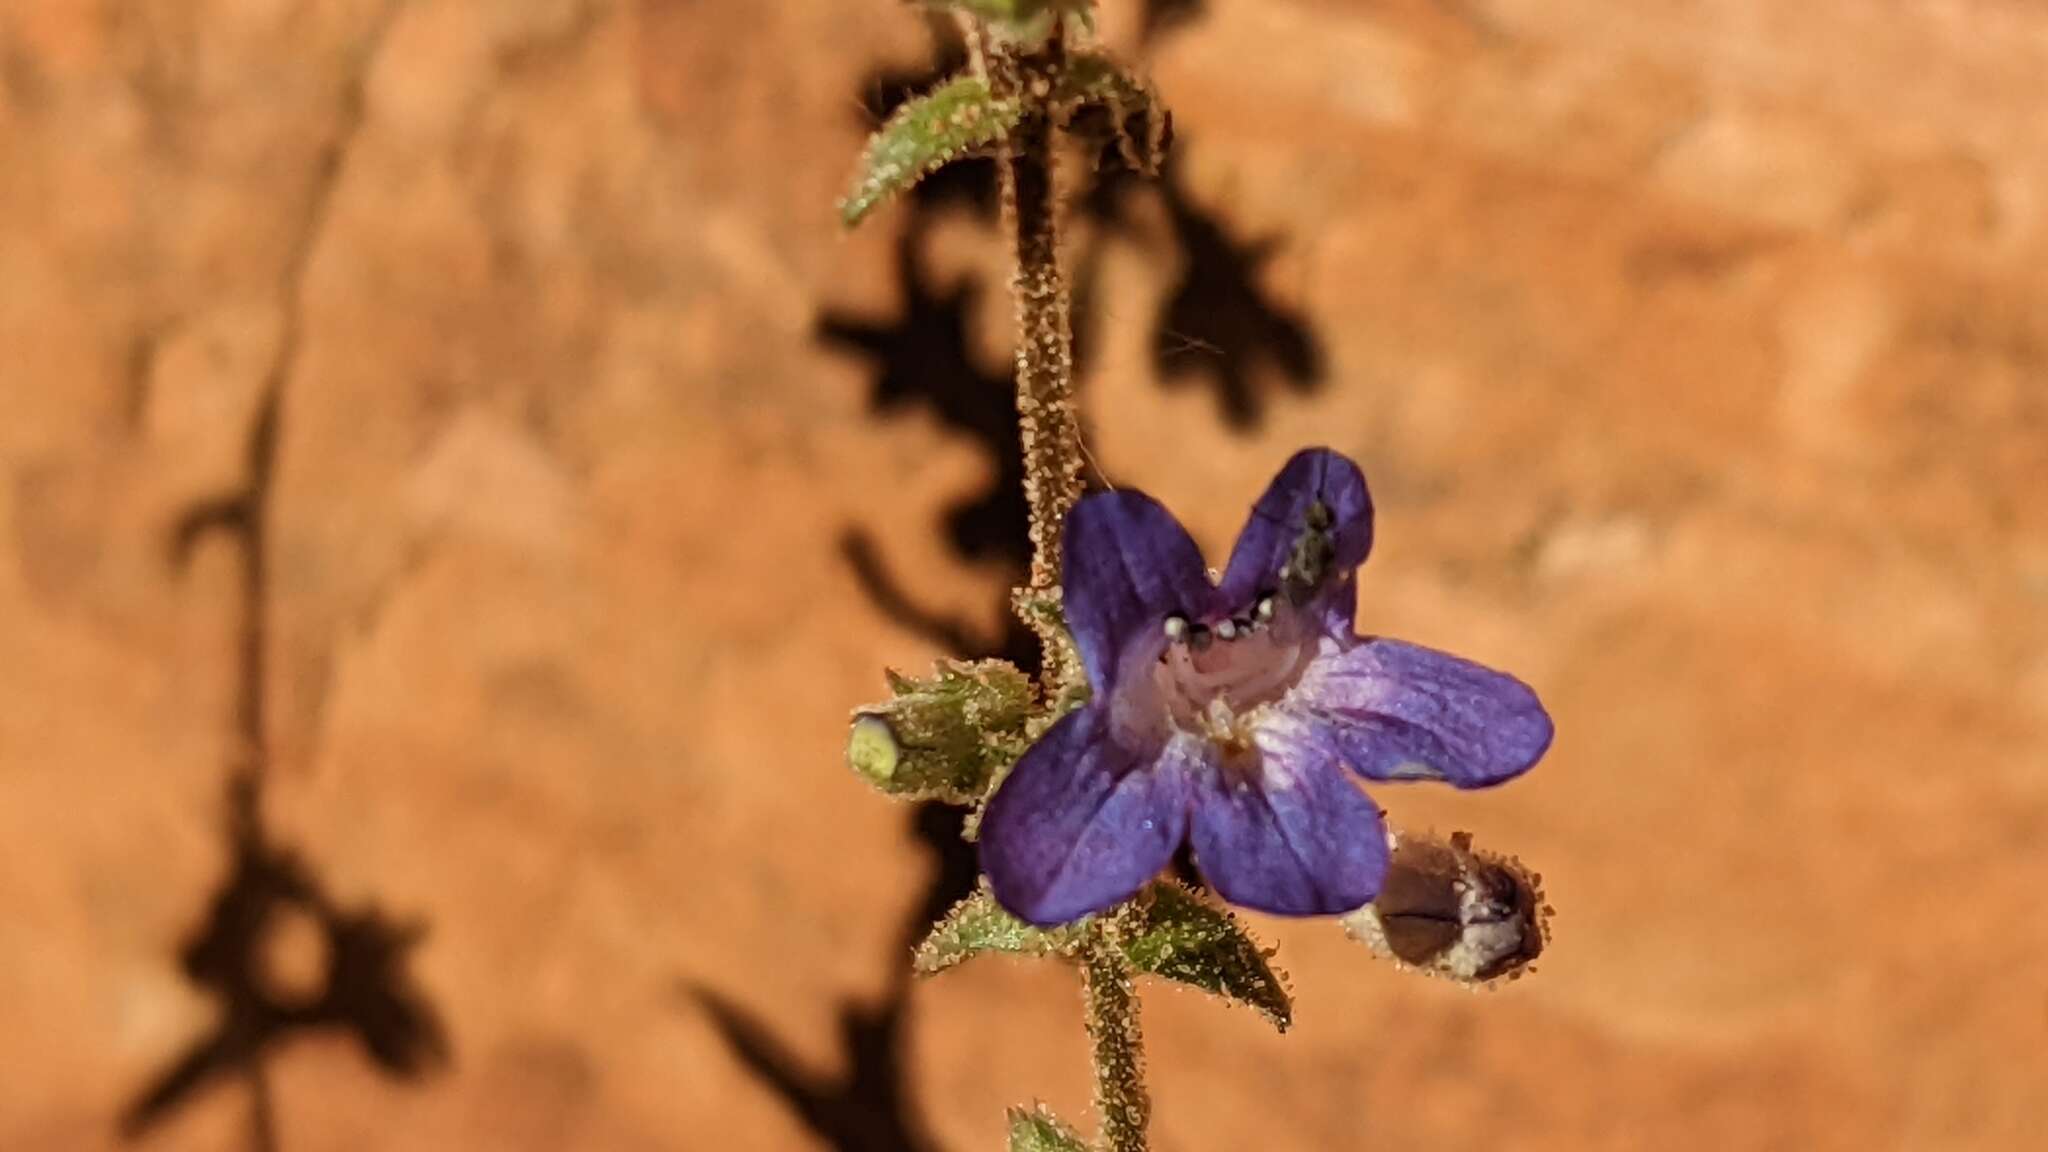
(364, 993)
(363, 988)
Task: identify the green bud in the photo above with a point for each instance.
(945, 737)
(1178, 936)
(873, 749)
(1038, 1130)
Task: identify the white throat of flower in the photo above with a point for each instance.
(1215, 677)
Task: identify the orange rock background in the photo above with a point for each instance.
(1697, 351)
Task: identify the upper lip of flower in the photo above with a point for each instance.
(1225, 712)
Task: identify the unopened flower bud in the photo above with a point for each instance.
(942, 737)
(872, 748)
(1450, 909)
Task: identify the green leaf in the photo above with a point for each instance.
(957, 118)
(1181, 938)
(1013, 10)
(978, 924)
(1021, 20)
(1138, 121)
(1038, 1130)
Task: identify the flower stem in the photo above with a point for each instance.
(1045, 359)
(1051, 433)
(1119, 1050)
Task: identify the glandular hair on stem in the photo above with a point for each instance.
(1116, 1042)
(1047, 419)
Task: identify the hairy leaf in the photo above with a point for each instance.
(1025, 20)
(957, 118)
(1180, 937)
(978, 924)
(1038, 1130)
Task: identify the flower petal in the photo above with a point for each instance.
(1081, 823)
(1129, 564)
(1280, 519)
(1298, 839)
(1399, 711)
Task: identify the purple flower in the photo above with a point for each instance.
(1232, 714)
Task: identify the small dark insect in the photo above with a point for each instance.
(1309, 561)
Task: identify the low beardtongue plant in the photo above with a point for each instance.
(1234, 714)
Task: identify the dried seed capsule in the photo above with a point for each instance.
(1447, 908)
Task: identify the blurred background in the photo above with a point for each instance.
(456, 479)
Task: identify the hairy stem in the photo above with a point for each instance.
(1119, 1050)
(1052, 483)
(1045, 358)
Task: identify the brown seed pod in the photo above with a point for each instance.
(1450, 909)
